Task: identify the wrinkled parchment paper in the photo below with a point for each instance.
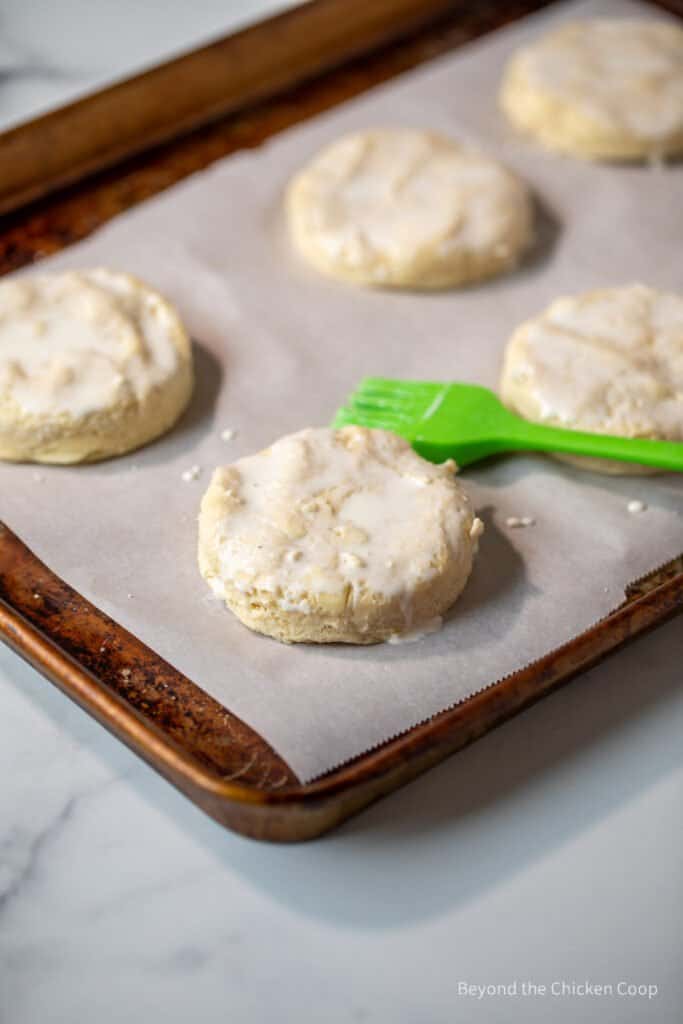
(278, 347)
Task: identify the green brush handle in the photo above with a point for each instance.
(493, 429)
(535, 437)
(468, 422)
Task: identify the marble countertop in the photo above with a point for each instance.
(550, 853)
(52, 53)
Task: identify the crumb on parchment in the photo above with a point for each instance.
(516, 522)
(635, 507)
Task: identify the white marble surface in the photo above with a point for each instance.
(550, 851)
(54, 51)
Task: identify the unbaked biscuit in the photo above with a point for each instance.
(343, 535)
(92, 364)
(608, 362)
(601, 89)
(408, 209)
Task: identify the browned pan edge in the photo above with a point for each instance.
(208, 753)
(180, 95)
(50, 224)
(218, 761)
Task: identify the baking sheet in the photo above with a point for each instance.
(278, 347)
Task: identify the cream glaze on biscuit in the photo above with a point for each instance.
(602, 89)
(607, 361)
(92, 364)
(400, 208)
(333, 536)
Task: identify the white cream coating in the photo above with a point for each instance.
(612, 82)
(608, 361)
(76, 343)
(350, 514)
(412, 636)
(314, 516)
(93, 364)
(402, 207)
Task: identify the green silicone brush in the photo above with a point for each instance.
(467, 423)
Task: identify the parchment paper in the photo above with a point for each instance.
(278, 348)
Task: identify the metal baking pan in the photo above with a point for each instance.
(215, 759)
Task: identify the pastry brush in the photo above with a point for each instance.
(467, 423)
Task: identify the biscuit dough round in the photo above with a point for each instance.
(408, 209)
(331, 536)
(603, 89)
(608, 362)
(92, 364)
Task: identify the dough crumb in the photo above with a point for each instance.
(192, 473)
(228, 434)
(38, 477)
(476, 529)
(635, 507)
(518, 521)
